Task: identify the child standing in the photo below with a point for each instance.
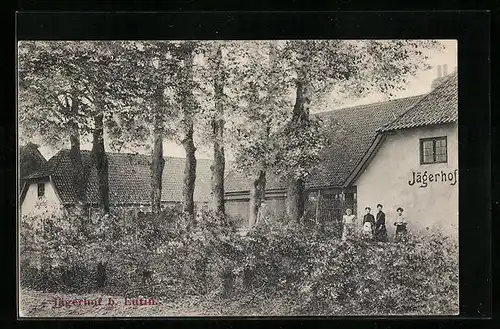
(368, 224)
(348, 221)
(368, 231)
(400, 224)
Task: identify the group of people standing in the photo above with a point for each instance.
(374, 226)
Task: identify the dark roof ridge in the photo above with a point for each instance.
(48, 167)
(30, 145)
(129, 153)
(425, 96)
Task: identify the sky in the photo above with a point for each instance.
(418, 85)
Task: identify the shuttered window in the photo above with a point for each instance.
(433, 150)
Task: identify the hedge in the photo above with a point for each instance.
(277, 269)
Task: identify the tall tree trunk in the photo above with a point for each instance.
(157, 165)
(157, 161)
(218, 165)
(218, 168)
(296, 188)
(101, 275)
(101, 162)
(302, 103)
(188, 141)
(295, 199)
(257, 195)
(258, 188)
(189, 168)
(78, 171)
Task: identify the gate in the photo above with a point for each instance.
(326, 207)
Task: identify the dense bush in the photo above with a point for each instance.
(275, 269)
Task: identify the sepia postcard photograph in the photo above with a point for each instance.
(223, 178)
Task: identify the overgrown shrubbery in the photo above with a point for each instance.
(278, 269)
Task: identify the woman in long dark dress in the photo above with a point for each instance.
(380, 233)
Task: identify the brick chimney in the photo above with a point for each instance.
(442, 72)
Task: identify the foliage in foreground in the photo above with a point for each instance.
(277, 269)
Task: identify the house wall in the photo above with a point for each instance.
(33, 205)
(238, 207)
(329, 210)
(277, 206)
(388, 177)
(238, 211)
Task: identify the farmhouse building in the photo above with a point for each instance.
(129, 175)
(400, 153)
(415, 161)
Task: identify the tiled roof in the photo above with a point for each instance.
(237, 181)
(437, 107)
(30, 159)
(129, 178)
(351, 132)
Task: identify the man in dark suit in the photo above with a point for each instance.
(380, 229)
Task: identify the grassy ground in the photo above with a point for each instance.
(40, 304)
